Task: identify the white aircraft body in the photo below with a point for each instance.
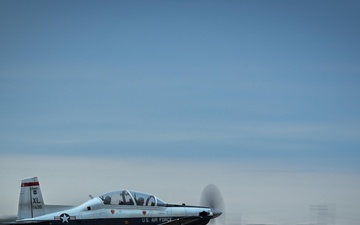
(121, 207)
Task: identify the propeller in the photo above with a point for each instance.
(211, 197)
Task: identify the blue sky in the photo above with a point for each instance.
(271, 84)
(236, 80)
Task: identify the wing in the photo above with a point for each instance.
(20, 222)
(190, 220)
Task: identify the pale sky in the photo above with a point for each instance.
(265, 93)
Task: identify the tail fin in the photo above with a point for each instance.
(31, 203)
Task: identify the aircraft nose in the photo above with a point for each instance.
(216, 212)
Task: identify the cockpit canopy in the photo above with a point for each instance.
(125, 197)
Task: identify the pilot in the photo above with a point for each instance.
(140, 201)
(107, 200)
(130, 202)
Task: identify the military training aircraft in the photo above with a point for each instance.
(121, 207)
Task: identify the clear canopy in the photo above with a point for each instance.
(125, 197)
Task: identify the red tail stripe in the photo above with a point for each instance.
(29, 184)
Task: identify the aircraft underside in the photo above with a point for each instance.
(129, 221)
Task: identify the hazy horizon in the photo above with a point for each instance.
(252, 193)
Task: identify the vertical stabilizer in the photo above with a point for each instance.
(31, 203)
